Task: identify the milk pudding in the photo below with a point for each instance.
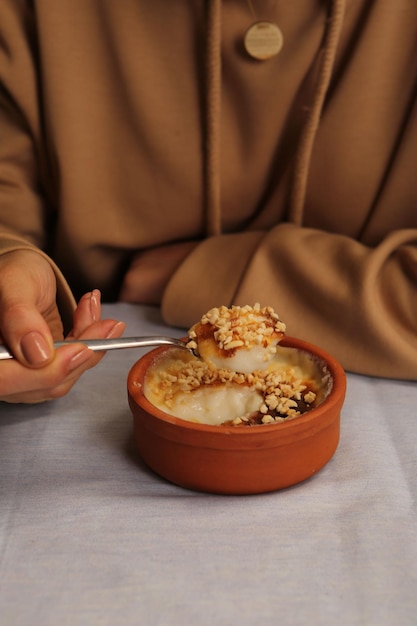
(242, 339)
(239, 374)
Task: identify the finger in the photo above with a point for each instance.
(21, 384)
(27, 334)
(87, 312)
(26, 280)
(107, 329)
(104, 329)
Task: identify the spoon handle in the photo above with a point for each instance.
(100, 345)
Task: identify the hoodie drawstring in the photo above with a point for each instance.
(213, 115)
(308, 135)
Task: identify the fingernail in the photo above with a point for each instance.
(79, 359)
(115, 330)
(35, 348)
(95, 301)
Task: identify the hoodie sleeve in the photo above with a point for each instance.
(357, 302)
(23, 201)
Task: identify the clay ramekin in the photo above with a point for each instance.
(237, 460)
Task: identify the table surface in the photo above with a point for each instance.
(89, 535)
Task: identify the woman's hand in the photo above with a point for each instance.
(30, 322)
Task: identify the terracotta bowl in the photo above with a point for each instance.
(237, 460)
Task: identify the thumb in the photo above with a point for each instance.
(27, 335)
(22, 323)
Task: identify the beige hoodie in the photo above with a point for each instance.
(127, 125)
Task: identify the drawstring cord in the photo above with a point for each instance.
(305, 146)
(213, 115)
(213, 87)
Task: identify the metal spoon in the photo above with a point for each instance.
(100, 345)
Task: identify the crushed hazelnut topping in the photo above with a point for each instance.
(282, 392)
(284, 395)
(237, 327)
(310, 397)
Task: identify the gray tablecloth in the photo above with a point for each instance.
(89, 536)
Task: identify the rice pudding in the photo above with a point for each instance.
(239, 373)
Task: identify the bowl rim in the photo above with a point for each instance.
(334, 398)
